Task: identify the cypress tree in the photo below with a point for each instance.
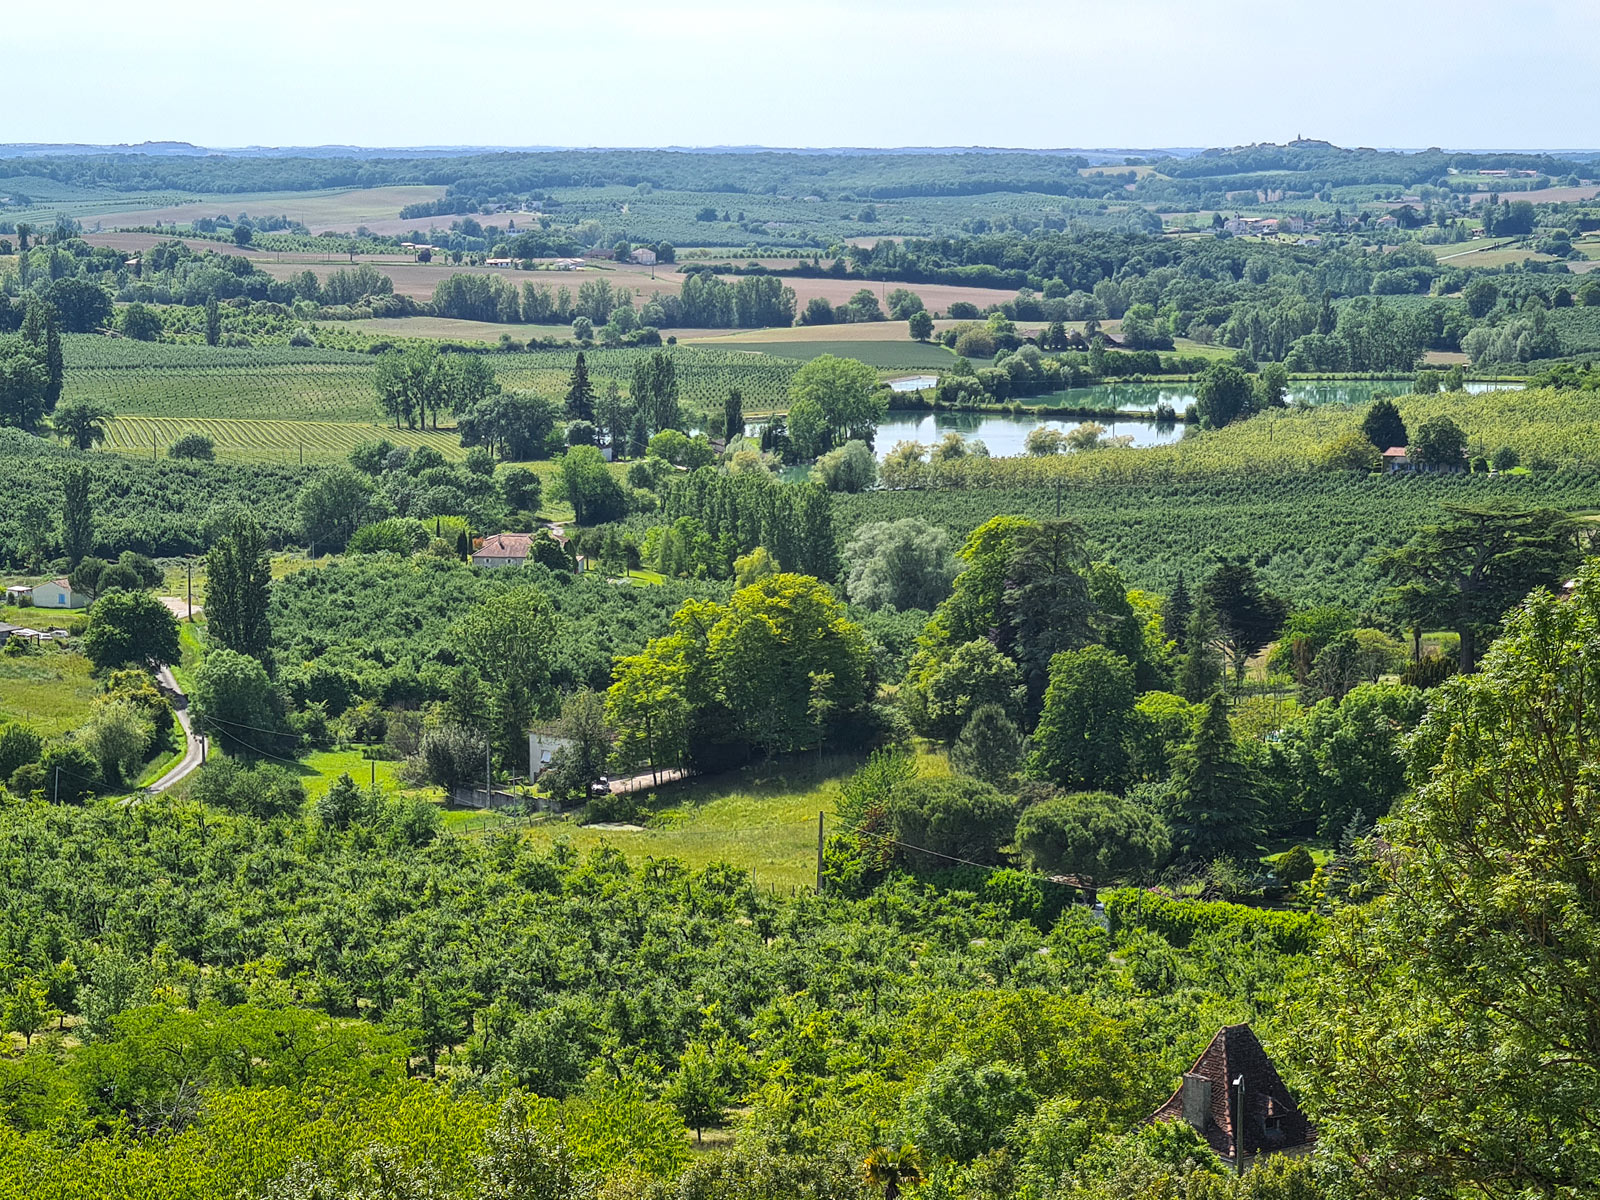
(1382, 425)
(1176, 612)
(1201, 668)
(733, 415)
(1213, 806)
(580, 393)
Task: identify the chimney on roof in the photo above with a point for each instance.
(1196, 1100)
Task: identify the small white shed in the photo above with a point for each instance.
(57, 593)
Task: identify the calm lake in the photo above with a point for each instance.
(1004, 435)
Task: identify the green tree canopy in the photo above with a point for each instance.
(1464, 573)
(1088, 707)
(82, 423)
(1096, 836)
(239, 589)
(585, 481)
(1438, 442)
(1224, 395)
(233, 700)
(901, 564)
(1447, 1044)
(832, 400)
(130, 627)
(1213, 801)
(940, 822)
(1382, 425)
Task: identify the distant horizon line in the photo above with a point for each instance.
(16, 149)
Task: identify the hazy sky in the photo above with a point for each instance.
(857, 73)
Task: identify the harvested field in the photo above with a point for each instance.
(336, 210)
(885, 355)
(418, 280)
(1554, 195)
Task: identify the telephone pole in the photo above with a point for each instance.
(1238, 1127)
(819, 853)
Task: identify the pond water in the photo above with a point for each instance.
(913, 383)
(1143, 397)
(1005, 436)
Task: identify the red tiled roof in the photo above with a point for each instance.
(1236, 1051)
(1395, 452)
(505, 545)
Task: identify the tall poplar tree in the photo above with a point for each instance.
(77, 515)
(239, 589)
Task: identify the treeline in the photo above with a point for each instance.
(739, 512)
(836, 176)
(1303, 166)
(704, 302)
(82, 283)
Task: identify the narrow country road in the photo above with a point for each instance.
(192, 753)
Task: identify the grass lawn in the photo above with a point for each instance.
(190, 642)
(1186, 346)
(40, 618)
(175, 575)
(762, 818)
(50, 689)
(320, 768)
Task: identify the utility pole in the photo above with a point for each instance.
(152, 447)
(1238, 1126)
(372, 778)
(203, 740)
(189, 564)
(819, 853)
(487, 772)
(57, 798)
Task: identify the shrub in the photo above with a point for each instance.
(1295, 865)
(1179, 921)
(944, 821)
(1095, 835)
(263, 790)
(19, 746)
(975, 343)
(194, 446)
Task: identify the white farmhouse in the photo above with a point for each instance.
(57, 593)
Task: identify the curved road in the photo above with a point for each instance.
(192, 755)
